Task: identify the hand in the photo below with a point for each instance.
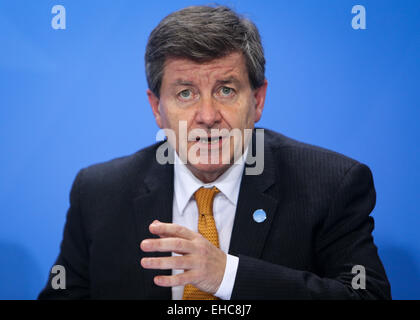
(202, 262)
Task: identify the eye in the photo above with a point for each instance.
(185, 94)
(226, 91)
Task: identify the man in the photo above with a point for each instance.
(203, 228)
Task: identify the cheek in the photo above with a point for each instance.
(168, 116)
(242, 115)
(168, 121)
(172, 115)
(251, 112)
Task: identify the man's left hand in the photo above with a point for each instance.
(203, 263)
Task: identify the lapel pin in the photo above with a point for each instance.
(259, 215)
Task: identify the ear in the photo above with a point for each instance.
(154, 103)
(259, 95)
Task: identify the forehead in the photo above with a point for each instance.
(176, 69)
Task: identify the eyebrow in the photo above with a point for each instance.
(228, 80)
(181, 82)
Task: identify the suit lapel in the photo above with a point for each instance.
(248, 236)
(154, 202)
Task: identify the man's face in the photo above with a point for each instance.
(206, 96)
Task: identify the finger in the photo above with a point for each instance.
(180, 279)
(172, 230)
(154, 222)
(177, 262)
(177, 245)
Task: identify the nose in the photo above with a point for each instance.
(208, 114)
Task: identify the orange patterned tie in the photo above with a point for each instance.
(207, 227)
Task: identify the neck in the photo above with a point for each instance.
(207, 177)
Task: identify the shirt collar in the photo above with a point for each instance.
(185, 183)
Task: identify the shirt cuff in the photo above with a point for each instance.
(226, 287)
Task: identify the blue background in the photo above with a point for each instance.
(71, 98)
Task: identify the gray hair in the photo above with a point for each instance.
(201, 34)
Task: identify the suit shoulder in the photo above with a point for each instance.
(122, 169)
(305, 154)
(314, 174)
(309, 165)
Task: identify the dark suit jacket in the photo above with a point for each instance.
(318, 226)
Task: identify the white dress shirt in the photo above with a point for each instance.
(185, 213)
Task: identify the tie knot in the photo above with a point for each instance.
(204, 198)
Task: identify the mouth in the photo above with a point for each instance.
(209, 140)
